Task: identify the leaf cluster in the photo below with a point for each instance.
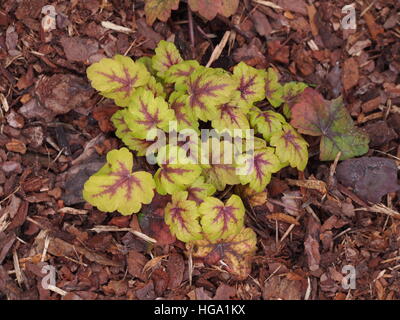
(165, 101)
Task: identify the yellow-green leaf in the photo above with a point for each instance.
(179, 73)
(266, 122)
(290, 147)
(219, 220)
(182, 216)
(251, 85)
(236, 252)
(273, 89)
(166, 56)
(147, 112)
(176, 171)
(199, 190)
(256, 168)
(116, 188)
(208, 88)
(118, 78)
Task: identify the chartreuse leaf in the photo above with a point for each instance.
(126, 135)
(199, 190)
(235, 251)
(166, 56)
(315, 116)
(148, 63)
(155, 87)
(291, 93)
(230, 117)
(245, 145)
(118, 78)
(251, 85)
(119, 122)
(208, 88)
(183, 218)
(256, 168)
(177, 170)
(266, 122)
(116, 187)
(179, 73)
(219, 168)
(290, 147)
(136, 144)
(147, 112)
(184, 115)
(160, 9)
(273, 89)
(219, 220)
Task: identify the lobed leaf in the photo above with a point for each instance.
(166, 56)
(155, 87)
(126, 135)
(176, 171)
(256, 169)
(147, 112)
(219, 220)
(208, 88)
(184, 115)
(236, 252)
(160, 9)
(118, 78)
(220, 168)
(290, 147)
(199, 190)
(266, 122)
(182, 216)
(230, 117)
(179, 73)
(273, 89)
(251, 84)
(148, 63)
(119, 122)
(245, 145)
(116, 187)
(315, 116)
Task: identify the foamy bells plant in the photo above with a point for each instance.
(155, 92)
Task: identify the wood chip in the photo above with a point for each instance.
(72, 211)
(115, 27)
(309, 184)
(4, 103)
(268, 4)
(283, 217)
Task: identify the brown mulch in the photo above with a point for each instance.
(55, 132)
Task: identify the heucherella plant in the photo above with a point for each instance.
(203, 130)
(118, 78)
(116, 187)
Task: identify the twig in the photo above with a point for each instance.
(191, 33)
(268, 4)
(218, 49)
(57, 290)
(115, 27)
(17, 268)
(116, 229)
